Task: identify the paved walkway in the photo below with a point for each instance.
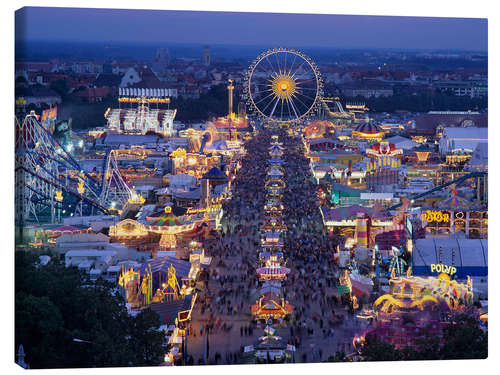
(310, 288)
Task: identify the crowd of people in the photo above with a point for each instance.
(224, 307)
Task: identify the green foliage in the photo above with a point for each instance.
(145, 336)
(338, 357)
(210, 104)
(463, 339)
(55, 305)
(60, 86)
(87, 115)
(379, 351)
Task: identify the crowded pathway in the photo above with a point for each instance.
(321, 323)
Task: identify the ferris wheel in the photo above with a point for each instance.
(283, 85)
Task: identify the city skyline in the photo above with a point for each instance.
(303, 30)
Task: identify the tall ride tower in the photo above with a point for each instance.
(233, 135)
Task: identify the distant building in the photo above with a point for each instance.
(161, 61)
(462, 139)
(433, 120)
(141, 119)
(108, 80)
(472, 88)
(130, 77)
(367, 89)
(93, 94)
(206, 55)
(479, 158)
(39, 96)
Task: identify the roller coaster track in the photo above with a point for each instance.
(457, 181)
(44, 168)
(338, 109)
(65, 189)
(115, 191)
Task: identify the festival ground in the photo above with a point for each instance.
(320, 324)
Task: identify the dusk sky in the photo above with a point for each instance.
(301, 30)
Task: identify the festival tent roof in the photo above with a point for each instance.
(169, 311)
(182, 267)
(166, 221)
(347, 213)
(82, 237)
(471, 255)
(316, 141)
(274, 172)
(402, 142)
(115, 138)
(368, 128)
(90, 253)
(479, 157)
(187, 194)
(182, 179)
(221, 146)
(346, 191)
(215, 174)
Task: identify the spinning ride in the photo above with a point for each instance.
(283, 85)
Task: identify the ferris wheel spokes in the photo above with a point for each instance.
(294, 111)
(292, 80)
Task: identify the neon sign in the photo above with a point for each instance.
(198, 210)
(443, 268)
(436, 216)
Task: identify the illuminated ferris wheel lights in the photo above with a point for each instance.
(282, 85)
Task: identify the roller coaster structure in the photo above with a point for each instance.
(49, 181)
(456, 181)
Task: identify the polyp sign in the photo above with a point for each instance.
(443, 268)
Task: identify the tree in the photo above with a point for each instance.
(56, 305)
(374, 350)
(338, 357)
(146, 340)
(60, 86)
(464, 339)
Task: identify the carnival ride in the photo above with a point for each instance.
(283, 85)
(334, 109)
(49, 181)
(415, 306)
(456, 182)
(411, 293)
(115, 191)
(397, 264)
(137, 290)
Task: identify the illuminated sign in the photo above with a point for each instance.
(49, 114)
(436, 216)
(141, 100)
(198, 210)
(443, 268)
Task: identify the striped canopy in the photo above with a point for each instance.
(166, 221)
(456, 201)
